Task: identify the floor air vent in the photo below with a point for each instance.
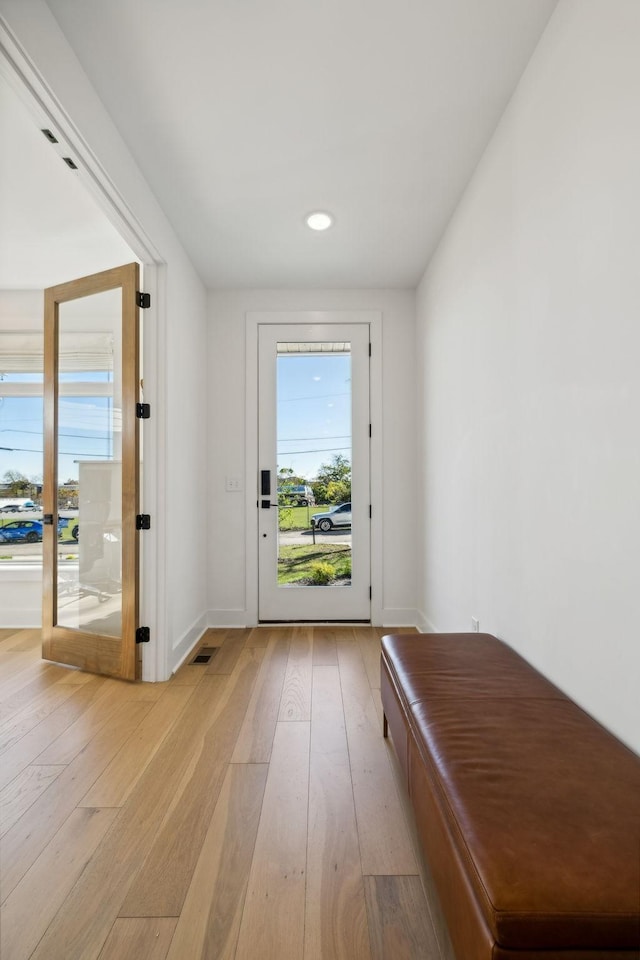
(204, 655)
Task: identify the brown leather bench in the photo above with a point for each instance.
(527, 809)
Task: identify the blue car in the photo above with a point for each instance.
(29, 531)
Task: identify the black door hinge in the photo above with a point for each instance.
(143, 411)
(143, 300)
(370, 512)
(369, 349)
(143, 635)
(143, 521)
(370, 593)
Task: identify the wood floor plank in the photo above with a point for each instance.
(113, 787)
(210, 919)
(163, 879)
(34, 902)
(231, 646)
(22, 653)
(399, 921)
(273, 915)
(139, 938)
(324, 647)
(386, 846)
(258, 637)
(29, 638)
(215, 636)
(189, 674)
(370, 648)
(26, 840)
(256, 736)
(30, 746)
(18, 796)
(40, 678)
(84, 921)
(73, 740)
(74, 675)
(295, 702)
(181, 842)
(428, 885)
(27, 711)
(335, 910)
(383, 631)
(17, 670)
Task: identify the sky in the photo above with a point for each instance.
(85, 429)
(314, 410)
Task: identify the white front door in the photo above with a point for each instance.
(313, 444)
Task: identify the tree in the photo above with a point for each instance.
(333, 483)
(287, 478)
(18, 484)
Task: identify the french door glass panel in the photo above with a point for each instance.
(89, 431)
(314, 442)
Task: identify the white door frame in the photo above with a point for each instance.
(252, 321)
(49, 112)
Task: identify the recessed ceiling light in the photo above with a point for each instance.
(319, 220)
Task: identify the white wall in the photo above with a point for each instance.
(232, 590)
(175, 361)
(529, 385)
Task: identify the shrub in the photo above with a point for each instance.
(322, 573)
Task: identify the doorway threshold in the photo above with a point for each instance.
(320, 623)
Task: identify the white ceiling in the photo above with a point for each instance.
(244, 115)
(51, 230)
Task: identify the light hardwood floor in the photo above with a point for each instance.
(248, 808)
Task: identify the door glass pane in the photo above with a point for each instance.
(313, 439)
(89, 582)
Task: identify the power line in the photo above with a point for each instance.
(61, 453)
(326, 396)
(74, 436)
(294, 453)
(341, 436)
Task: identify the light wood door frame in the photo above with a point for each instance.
(118, 657)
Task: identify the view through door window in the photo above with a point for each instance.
(89, 591)
(88, 432)
(313, 439)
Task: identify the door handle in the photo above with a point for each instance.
(266, 504)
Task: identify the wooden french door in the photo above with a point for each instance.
(91, 468)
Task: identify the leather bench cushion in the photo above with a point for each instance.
(542, 804)
(461, 665)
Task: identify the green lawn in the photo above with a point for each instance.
(298, 518)
(298, 561)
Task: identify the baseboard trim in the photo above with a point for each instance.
(183, 647)
(228, 618)
(399, 617)
(423, 624)
(21, 619)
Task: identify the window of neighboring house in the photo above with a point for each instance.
(85, 431)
